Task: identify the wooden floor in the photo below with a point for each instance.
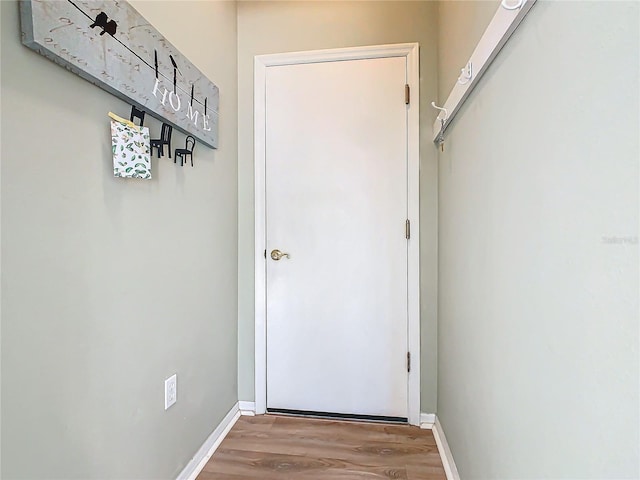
(270, 447)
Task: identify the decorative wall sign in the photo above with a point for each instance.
(110, 44)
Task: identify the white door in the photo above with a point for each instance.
(336, 203)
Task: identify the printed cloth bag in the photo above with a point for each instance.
(131, 150)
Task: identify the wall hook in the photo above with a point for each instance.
(440, 139)
(466, 74)
(446, 113)
(518, 4)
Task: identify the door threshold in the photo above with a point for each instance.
(337, 416)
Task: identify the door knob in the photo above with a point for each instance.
(277, 254)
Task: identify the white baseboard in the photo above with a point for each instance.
(427, 420)
(445, 453)
(202, 456)
(247, 408)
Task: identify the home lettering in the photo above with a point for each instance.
(162, 94)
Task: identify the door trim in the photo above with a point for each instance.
(411, 52)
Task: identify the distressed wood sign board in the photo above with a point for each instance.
(111, 45)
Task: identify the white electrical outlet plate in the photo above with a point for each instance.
(170, 390)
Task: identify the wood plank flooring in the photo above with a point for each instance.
(269, 447)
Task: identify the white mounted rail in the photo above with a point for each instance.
(507, 18)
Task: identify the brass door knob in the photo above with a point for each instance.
(277, 255)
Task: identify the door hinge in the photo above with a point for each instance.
(407, 94)
(407, 229)
(408, 361)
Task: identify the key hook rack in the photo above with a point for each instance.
(504, 22)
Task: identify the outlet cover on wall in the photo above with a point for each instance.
(170, 390)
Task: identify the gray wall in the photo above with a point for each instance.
(111, 285)
(538, 292)
(273, 27)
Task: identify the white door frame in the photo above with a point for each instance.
(411, 52)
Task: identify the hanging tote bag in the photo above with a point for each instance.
(131, 149)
